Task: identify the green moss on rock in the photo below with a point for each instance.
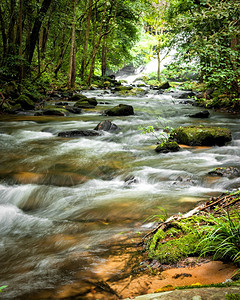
(120, 110)
(132, 92)
(25, 102)
(167, 146)
(201, 136)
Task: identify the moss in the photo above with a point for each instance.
(132, 92)
(25, 102)
(178, 241)
(123, 88)
(167, 146)
(201, 135)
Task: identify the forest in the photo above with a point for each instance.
(119, 149)
(49, 44)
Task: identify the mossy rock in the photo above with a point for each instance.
(84, 104)
(167, 146)
(164, 86)
(25, 102)
(92, 101)
(201, 136)
(132, 92)
(120, 110)
(52, 111)
(123, 88)
(78, 97)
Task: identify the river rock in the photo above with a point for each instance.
(52, 111)
(106, 126)
(83, 104)
(77, 97)
(73, 110)
(230, 172)
(186, 95)
(130, 179)
(25, 102)
(201, 114)
(123, 88)
(120, 110)
(168, 146)
(78, 133)
(164, 86)
(201, 136)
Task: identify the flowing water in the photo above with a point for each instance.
(62, 201)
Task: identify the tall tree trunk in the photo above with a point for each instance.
(35, 31)
(158, 54)
(104, 56)
(11, 29)
(20, 40)
(84, 59)
(72, 60)
(4, 36)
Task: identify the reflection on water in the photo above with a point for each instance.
(63, 201)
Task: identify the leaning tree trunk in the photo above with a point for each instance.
(72, 60)
(34, 37)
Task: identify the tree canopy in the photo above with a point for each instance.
(71, 41)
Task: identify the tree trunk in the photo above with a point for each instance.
(84, 59)
(20, 40)
(72, 60)
(35, 31)
(104, 56)
(4, 36)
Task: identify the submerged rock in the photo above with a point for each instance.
(201, 136)
(167, 146)
(52, 112)
(78, 133)
(83, 104)
(120, 110)
(201, 114)
(130, 179)
(229, 172)
(107, 126)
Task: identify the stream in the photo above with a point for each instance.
(63, 200)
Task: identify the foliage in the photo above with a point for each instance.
(163, 135)
(223, 240)
(178, 240)
(209, 32)
(181, 71)
(3, 287)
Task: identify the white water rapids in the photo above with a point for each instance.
(62, 199)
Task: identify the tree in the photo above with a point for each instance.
(209, 32)
(72, 60)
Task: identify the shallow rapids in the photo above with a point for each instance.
(63, 200)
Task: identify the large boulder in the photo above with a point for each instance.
(78, 97)
(78, 133)
(168, 146)
(120, 110)
(201, 114)
(25, 102)
(106, 126)
(201, 136)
